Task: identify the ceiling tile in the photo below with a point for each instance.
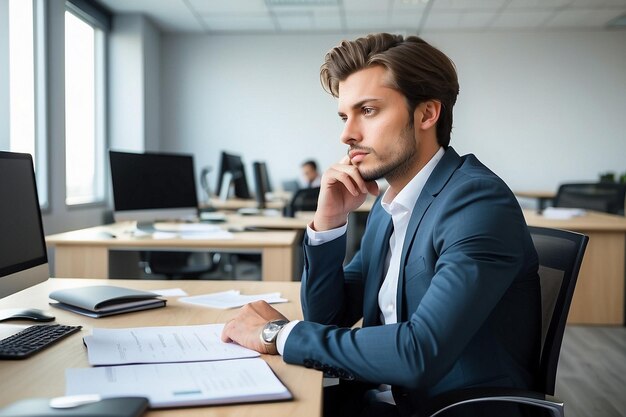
(406, 19)
(468, 4)
(476, 20)
(238, 22)
(537, 4)
(366, 6)
(522, 19)
(295, 21)
(327, 21)
(227, 6)
(366, 21)
(408, 5)
(170, 16)
(585, 17)
(439, 21)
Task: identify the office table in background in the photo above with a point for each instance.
(542, 197)
(42, 375)
(85, 253)
(599, 294)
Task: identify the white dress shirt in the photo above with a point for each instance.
(400, 207)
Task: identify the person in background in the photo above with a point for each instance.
(310, 174)
(445, 281)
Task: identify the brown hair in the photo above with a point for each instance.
(417, 69)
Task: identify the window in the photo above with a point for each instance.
(27, 115)
(84, 109)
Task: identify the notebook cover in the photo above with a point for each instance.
(100, 297)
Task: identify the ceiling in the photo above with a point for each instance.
(405, 16)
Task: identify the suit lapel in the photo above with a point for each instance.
(376, 271)
(435, 183)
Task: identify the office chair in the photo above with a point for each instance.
(177, 265)
(304, 199)
(604, 197)
(560, 256)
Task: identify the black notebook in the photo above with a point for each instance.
(105, 300)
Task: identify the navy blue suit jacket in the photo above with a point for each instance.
(468, 306)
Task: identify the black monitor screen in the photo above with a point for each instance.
(234, 164)
(261, 182)
(145, 181)
(22, 244)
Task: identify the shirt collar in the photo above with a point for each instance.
(405, 200)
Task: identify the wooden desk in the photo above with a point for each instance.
(238, 203)
(85, 253)
(599, 294)
(42, 375)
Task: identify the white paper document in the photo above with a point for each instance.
(562, 213)
(170, 292)
(232, 299)
(181, 384)
(161, 344)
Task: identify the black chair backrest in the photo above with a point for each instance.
(604, 197)
(304, 199)
(560, 256)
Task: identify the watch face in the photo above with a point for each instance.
(271, 329)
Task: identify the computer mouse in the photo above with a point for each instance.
(33, 314)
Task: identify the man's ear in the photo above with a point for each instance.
(426, 114)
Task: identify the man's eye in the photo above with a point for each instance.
(368, 111)
(344, 119)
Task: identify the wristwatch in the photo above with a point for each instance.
(269, 334)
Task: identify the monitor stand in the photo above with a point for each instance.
(146, 227)
(33, 314)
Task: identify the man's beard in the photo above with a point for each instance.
(398, 166)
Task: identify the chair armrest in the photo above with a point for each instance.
(472, 395)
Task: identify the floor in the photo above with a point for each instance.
(591, 378)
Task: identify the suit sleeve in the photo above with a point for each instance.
(329, 294)
(478, 241)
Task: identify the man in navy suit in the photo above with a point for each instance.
(446, 278)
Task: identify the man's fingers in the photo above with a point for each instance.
(350, 177)
(225, 331)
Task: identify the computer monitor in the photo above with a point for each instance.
(23, 257)
(153, 186)
(232, 171)
(261, 183)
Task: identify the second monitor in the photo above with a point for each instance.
(232, 172)
(153, 186)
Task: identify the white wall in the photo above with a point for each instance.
(538, 108)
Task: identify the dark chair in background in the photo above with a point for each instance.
(604, 197)
(560, 256)
(305, 199)
(178, 265)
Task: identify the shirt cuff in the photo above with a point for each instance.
(283, 334)
(319, 238)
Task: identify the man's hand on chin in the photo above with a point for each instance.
(245, 328)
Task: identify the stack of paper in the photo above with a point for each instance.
(232, 299)
(167, 368)
(182, 384)
(562, 213)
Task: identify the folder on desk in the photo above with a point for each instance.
(105, 300)
(182, 384)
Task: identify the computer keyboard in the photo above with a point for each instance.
(33, 339)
